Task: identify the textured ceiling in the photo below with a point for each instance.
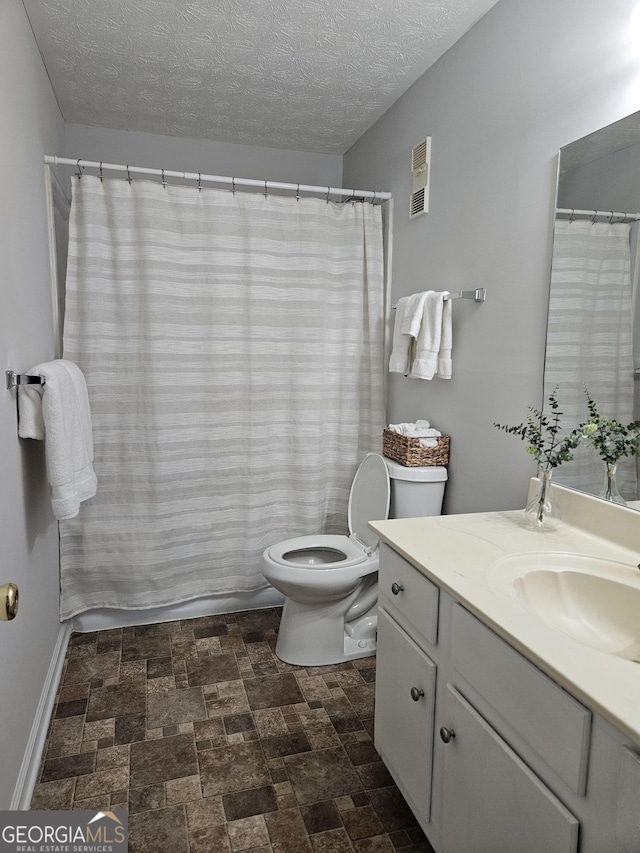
(302, 74)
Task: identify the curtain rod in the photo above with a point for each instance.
(199, 177)
(598, 214)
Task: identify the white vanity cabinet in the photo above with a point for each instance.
(491, 754)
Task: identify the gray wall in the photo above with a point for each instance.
(30, 125)
(201, 155)
(529, 78)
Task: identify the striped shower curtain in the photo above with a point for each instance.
(233, 349)
(589, 340)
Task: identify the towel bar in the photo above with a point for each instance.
(14, 379)
(478, 295)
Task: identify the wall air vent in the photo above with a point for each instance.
(420, 170)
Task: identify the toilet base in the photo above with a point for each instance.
(318, 636)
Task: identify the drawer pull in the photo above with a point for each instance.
(447, 734)
(416, 694)
(396, 588)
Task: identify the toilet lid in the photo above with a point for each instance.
(369, 498)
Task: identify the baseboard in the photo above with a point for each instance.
(28, 774)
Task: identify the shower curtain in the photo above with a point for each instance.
(589, 340)
(233, 349)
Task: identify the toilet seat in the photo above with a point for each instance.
(353, 551)
(368, 500)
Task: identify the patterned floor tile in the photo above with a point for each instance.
(214, 745)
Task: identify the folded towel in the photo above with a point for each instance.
(425, 363)
(444, 353)
(420, 429)
(58, 412)
(400, 359)
(412, 314)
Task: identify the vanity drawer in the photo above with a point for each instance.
(554, 724)
(408, 596)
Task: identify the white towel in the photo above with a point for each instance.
(58, 412)
(400, 359)
(409, 313)
(425, 363)
(420, 429)
(444, 353)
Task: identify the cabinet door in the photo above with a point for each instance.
(493, 803)
(405, 694)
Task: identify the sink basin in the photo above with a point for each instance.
(593, 600)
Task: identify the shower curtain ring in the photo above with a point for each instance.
(298, 193)
(328, 191)
(101, 171)
(163, 181)
(573, 210)
(594, 217)
(128, 175)
(199, 182)
(265, 189)
(233, 185)
(79, 170)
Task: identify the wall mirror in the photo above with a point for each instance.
(593, 329)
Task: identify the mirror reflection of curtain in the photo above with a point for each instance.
(589, 339)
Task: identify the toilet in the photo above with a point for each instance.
(330, 582)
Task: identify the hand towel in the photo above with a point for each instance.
(444, 370)
(413, 312)
(400, 359)
(425, 362)
(58, 412)
(409, 313)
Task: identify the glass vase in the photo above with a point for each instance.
(539, 512)
(610, 487)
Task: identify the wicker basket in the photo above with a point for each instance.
(408, 452)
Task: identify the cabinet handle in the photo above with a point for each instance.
(396, 588)
(447, 734)
(416, 694)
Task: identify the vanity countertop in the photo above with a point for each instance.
(459, 553)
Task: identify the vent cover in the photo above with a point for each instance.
(420, 169)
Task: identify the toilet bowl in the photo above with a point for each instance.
(330, 582)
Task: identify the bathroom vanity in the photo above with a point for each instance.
(508, 708)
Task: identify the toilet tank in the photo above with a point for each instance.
(416, 491)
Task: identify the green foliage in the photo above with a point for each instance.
(609, 437)
(541, 431)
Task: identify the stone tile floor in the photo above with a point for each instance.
(211, 743)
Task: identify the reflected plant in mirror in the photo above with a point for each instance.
(593, 329)
(612, 441)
